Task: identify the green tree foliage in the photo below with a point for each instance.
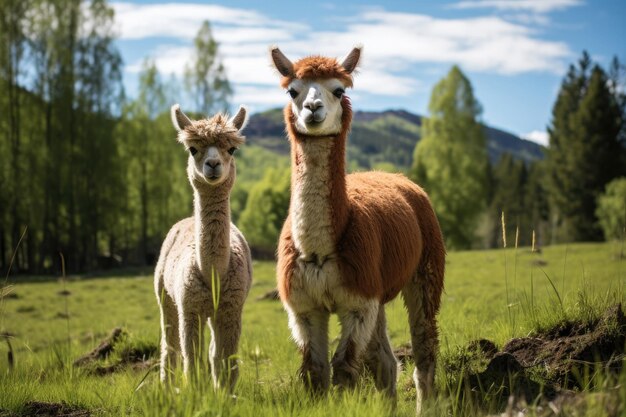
(13, 42)
(93, 176)
(585, 151)
(536, 206)
(63, 78)
(157, 190)
(205, 76)
(611, 209)
(266, 210)
(517, 190)
(509, 181)
(450, 161)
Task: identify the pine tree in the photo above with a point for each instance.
(509, 181)
(585, 151)
(536, 205)
(450, 161)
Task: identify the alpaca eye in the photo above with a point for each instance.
(193, 150)
(339, 92)
(232, 150)
(293, 93)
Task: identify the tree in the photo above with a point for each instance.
(585, 152)
(450, 161)
(536, 206)
(205, 76)
(157, 191)
(509, 181)
(611, 209)
(12, 55)
(266, 210)
(62, 77)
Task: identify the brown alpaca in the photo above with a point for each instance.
(351, 243)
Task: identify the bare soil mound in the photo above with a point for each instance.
(564, 350)
(136, 357)
(548, 364)
(46, 409)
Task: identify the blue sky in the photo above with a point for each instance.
(515, 52)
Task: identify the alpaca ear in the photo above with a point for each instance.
(179, 119)
(240, 120)
(352, 60)
(281, 62)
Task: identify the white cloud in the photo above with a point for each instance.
(535, 6)
(538, 136)
(394, 44)
(168, 59)
(528, 18)
(486, 44)
(260, 96)
(182, 20)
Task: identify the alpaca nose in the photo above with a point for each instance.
(213, 162)
(313, 105)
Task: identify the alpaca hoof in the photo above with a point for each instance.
(345, 377)
(316, 381)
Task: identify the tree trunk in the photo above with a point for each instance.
(144, 213)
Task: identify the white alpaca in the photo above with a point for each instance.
(205, 254)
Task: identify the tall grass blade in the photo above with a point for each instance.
(67, 310)
(506, 278)
(4, 292)
(556, 292)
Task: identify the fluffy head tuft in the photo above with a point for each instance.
(318, 67)
(217, 130)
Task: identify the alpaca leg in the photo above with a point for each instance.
(424, 337)
(191, 330)
(357, 325)
(170, 343)
(310, 331)
(225, 333)
(379, 358)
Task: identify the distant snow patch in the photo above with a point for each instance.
(537, 136)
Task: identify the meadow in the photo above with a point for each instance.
(493, 294)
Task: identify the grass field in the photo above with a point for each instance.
(496, 294)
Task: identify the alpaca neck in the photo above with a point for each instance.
(212, 228)
(319, 202)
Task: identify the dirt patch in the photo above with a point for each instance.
(64, 293)
(539, 262)
(11, 296)
(548, 365)
(45, 409)
(103, 350)
(570, 404)
(564, 350)
(483, 347)
(25, 309)
(136, 357)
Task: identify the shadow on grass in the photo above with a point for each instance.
(99, 274)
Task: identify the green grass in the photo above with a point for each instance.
(543, 289)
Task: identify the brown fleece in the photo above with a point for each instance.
(318, 67)
(384, 226)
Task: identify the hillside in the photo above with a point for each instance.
(389, 136)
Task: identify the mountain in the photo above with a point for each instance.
(384, 137)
